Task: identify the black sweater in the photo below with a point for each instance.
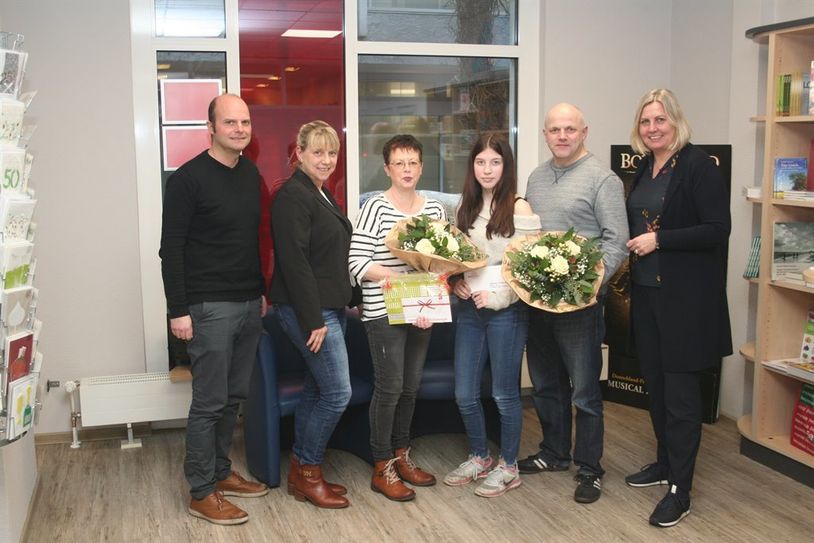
(209, 235)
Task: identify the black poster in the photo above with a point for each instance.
(625, 383)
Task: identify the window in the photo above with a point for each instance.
(488, 22)
(190, 19)
(446, 102)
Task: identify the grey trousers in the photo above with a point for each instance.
(222, 351)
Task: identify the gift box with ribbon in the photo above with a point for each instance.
(411, 295)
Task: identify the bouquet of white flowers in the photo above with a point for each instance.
(554, 271)
(433, 246)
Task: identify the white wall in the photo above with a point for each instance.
(84, 175)
(600, 55)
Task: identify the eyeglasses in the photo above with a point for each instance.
(401, 165)
(568, 131)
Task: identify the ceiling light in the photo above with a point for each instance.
(274, 78)
(166, 66)
(292, 68)
(292, 33)
(262, 85)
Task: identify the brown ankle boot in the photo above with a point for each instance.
(411, 473)
(294, 471)
(387, 482)
(312, 487)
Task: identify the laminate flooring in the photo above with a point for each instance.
(102, 493)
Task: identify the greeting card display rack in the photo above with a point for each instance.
(19, 327)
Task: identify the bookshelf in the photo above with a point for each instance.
(781, 306)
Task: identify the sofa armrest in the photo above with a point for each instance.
(261, 410)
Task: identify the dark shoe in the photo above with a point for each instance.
(649, 475)
(671, 509)
(236, 485)
(411, 473)
(312, 487)
(589, 488)
(294, 472)
(386, 481)
(536, 464)
(217, 510)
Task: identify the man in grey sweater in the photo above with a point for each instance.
(573, 190)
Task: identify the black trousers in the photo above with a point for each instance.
(675, 397)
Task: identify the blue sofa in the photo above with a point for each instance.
(277, 385)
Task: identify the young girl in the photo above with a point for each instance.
(491, 322)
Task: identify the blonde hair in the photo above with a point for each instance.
(317, 134)
(675, 117)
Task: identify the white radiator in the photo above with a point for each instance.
(138, 397)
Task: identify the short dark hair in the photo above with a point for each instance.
(212, 105)
(402, 141)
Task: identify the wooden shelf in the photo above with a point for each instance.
(792, 286)
(795, 119)
(792, 203)
(779, 371)
(747, 350)
(781, 305)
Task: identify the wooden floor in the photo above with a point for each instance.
(102, 493)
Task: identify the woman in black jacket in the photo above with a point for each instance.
(679, 218)
(310, 289)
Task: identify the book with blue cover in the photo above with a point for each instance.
(790, 174)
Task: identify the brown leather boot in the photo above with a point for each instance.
(411, 473)
(217, 510)
(293, 473)
(312, 487)
(386, 481)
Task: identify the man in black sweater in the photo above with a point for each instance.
(210, 262)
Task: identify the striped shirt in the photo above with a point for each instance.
(376, 218)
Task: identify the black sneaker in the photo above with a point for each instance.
(536, 464)
(589, 488)
(649, 475)
(671, 509)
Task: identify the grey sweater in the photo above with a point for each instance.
(585, 196)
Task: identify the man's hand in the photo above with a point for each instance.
(181, 327)
(461, 289)
(314, 342)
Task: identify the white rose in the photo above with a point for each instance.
(425, 246)
(540, 251)
(559, 265)
(452, 244)
(572, 247)
(438, 229)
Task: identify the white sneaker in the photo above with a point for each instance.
(499, 481)
(473, 469)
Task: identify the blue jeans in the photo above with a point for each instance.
(500, 337)
(398, 353)
(326, 391)
(565, 361)
(222, 352)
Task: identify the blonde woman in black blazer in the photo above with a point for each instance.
(678, 211)
(310, 289)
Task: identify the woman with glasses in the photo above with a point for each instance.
(492, 323)
(310, 289)
(398, 351)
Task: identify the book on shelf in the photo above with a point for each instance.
(810, 180)
(793, 367)
(790, 174)
(805, 99)
(753, 263)
(802, 420)
(792, 250)
(807, 348)
(811, 90)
